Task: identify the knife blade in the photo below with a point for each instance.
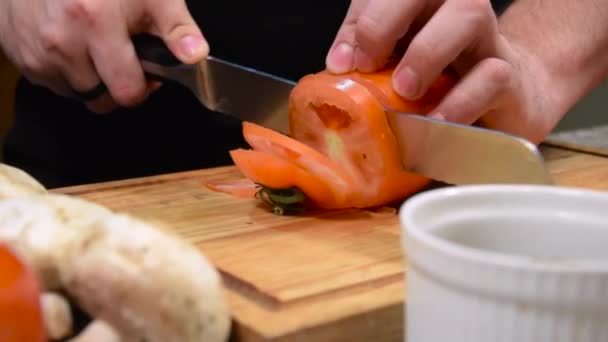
(221, 86)
(462, 154)
(448, 152)
(249, 94)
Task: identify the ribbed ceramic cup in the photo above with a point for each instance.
(506, 263)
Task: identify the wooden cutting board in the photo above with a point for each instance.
(326, 276)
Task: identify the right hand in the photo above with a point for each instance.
(68, 45)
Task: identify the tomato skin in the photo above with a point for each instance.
(21, 318)
(380, 84)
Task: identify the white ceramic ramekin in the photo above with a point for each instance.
(506, 263)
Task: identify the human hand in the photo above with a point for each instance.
(499, 83)
(74, 45)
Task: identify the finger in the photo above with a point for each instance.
(83, 78)
(114, 56)
(80, 72)
(477, 93)
(179, 30)
(454, 28)
(55, 83)
(153, 86)
(340, 58)
(39, 72)
(102, 105)
(380, 25)
(105, 104)
(66, 47)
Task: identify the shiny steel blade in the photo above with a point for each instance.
(461, 154)
(246, 93)
(221, 86)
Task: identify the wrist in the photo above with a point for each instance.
(561, 48)
(539, 92)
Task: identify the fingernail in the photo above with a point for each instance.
(437, 116)
(407, 83)
(340, 59)
(192, 45)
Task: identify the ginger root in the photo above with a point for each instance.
(98, 331)
(57, 316)
(16, 182)
(137, 281)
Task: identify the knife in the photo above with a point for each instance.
(447, 152)
(221, 86)
(463, 154)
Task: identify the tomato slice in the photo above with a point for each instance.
(305, 157)
(21, 316)
(341, 119)
(243, 188)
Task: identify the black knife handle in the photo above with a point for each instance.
(148, 48)
(152, 49)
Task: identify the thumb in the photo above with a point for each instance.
(179, 30)
(341, 55)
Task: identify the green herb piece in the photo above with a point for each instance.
(283, 201)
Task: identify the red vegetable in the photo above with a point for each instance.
(20, 307)
(341, 151)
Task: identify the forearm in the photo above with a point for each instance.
(568, 39)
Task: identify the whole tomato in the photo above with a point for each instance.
(21, 318)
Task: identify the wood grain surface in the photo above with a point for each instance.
(323, 276)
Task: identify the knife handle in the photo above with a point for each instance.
(158, 63)
(152, 49)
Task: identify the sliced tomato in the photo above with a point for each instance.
(345, 121)
(278, 173)
(21, 316)
(341, 151)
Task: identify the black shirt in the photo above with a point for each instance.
(61, 143)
